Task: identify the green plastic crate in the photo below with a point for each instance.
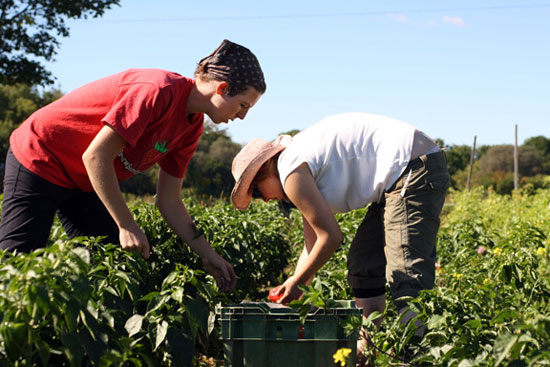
(260, 334)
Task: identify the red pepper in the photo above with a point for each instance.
(273, 296)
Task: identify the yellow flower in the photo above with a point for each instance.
(486, 281)
(341, 356)
(458, 275)
(497, 251)
(541, 251)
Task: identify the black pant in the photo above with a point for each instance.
(30, 204)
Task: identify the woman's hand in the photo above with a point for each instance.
(98, 160)
(174, 212)
(290, 291)
(134, 240)
(220, 270)
(321, 231)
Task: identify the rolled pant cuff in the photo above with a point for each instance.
(369, 293)
(360, 282)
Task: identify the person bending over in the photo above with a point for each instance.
(346, 162)
(69, 156)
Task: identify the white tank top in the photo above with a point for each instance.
(354, 157)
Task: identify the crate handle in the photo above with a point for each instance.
(279, 332)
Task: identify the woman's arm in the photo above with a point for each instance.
(98, 160)
(174, 212)
(320, 227)
(309, 240)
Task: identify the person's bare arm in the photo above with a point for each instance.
(173, 210)
(309, 241)
(321, 228)
(98, 160)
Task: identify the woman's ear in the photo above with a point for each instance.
(222, 88)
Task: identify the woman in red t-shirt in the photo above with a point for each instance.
(69, 157)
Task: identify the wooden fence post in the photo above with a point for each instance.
(516, 160)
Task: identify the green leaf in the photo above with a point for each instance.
(94, 348)
(474, 324)
(90, 323)
(39, 294)
(211, 322)
(149, 296)
(199, 312)
(503, 346)
(135, 361)
(524, 339)
(123, 275)
(83, 254)
(81, 287)
(161, 331)
(177, 294)
(73, 349)
(72, 309)
(505, 315)
(437, 321)
(44, 351)
(182, 347)
(133, 324)
(170, 278)
(465, 363)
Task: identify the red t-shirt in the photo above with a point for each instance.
(145, 106)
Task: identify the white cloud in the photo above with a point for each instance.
(401, 18)
(458, 21)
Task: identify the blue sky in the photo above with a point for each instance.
(454, 69)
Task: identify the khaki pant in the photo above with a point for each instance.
(395, 243)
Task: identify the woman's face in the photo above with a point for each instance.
(228, 107)
(270, 188)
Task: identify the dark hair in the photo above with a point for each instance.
(234, 64)
(269, 168)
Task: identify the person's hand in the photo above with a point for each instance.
(221, 271)
(134, 240)
(289, 290)
(274, 294)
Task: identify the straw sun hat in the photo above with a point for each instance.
(247, 164)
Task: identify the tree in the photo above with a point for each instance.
(28, 31)
(209, 172)
(458, 158)
(142, 184)
(291, 132)
(17, 102)
(500, 158)
(542, 145)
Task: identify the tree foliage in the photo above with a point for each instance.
(542, 145)
(501, 158)
(458, 161)
(209, 172)
(458, 158)
(17, 102)
(291, 132)
(28, 35)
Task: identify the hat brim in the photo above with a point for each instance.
(241, 195)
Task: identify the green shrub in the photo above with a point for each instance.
(491, 303)
(81, 303)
